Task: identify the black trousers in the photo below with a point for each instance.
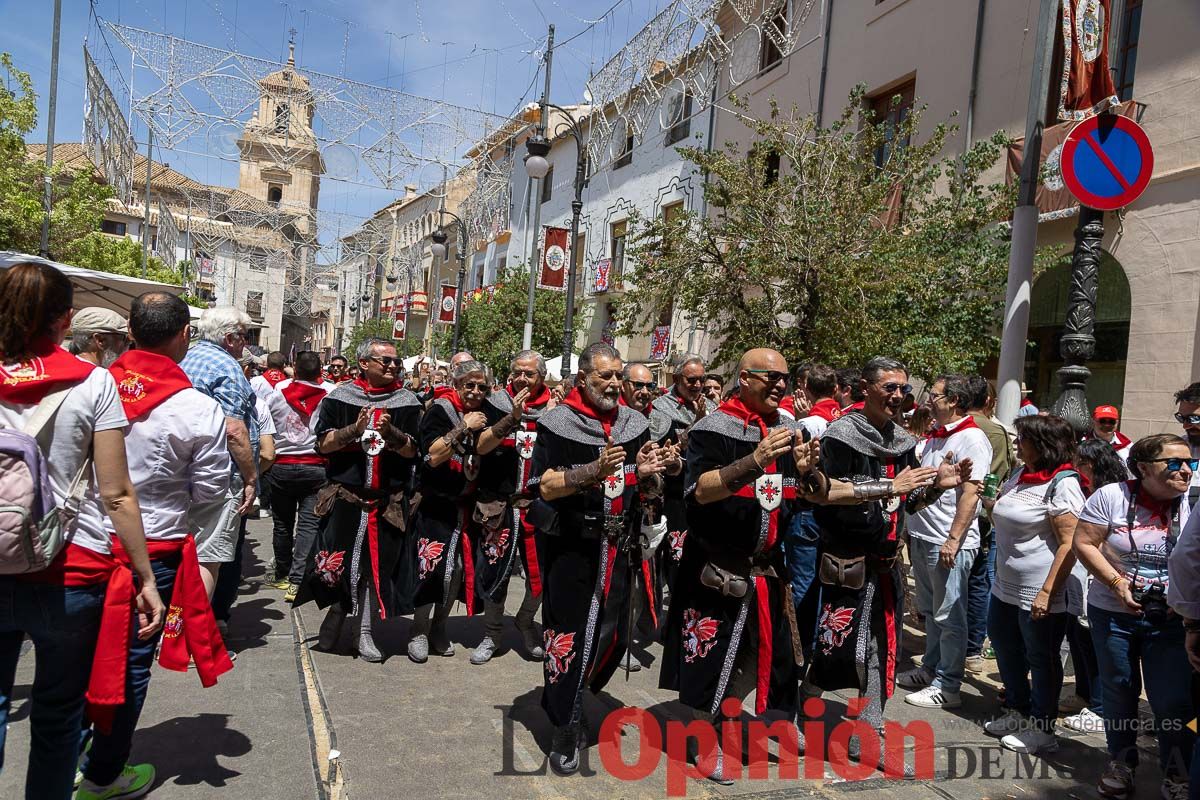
(293, 497)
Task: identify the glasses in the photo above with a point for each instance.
(1176, 464)
(768, 376)
(643, 385)
(903, 388)
(387, 361)
(336, 367)
(473, 386)
(525, 373)
(697, 379)
(1187, 419)
(1106, 421)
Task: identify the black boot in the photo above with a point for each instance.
(564, 749)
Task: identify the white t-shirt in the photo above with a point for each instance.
(1183, 590)
(1109, 507)
(932, 524)
(293, 436)
(1025, 540)
(91, 406)
(266, 425)
(815, 425)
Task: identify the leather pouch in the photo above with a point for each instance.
(727, 583)
(848, 572)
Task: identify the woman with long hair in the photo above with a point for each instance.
(1125, 536)
(60, 607)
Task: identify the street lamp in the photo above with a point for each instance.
(538, 167)
(438, 248)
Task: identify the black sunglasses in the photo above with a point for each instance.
(386, 361)
(903, 388)
(1187, 419)
(770, 376)
(473, 386)
(1176, 464)
(643, 385)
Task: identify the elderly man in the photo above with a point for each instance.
(366, 430)
(944, 542)
(1187, 414)
(594, 467)
(211, 365)
(99, 335)
(671, 415)
(506, 451)
(638, 388)
(1104, 426)
(161, 406)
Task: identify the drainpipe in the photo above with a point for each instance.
(824, 62)
(970, 123)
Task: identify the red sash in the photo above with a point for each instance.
(303, 397)
(1041, 476)
(144, 380)
(274, 376)
(942, 432)
(827, 409)
(190, 629)
(362, 383)
(49, 369)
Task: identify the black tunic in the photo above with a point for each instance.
(585, 571)
(705, 630)
(670, 418)
(353, 541)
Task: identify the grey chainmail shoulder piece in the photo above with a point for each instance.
(353, 395)
(856, 431)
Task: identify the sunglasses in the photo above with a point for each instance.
(525, 373)
(904, 388)
(1176, 464)
(643, 385)
(697, 379)
(1106, 421)
(1187, 419)
(473, 386)
(386, 361)
(768, 376)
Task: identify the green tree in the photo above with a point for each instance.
(836, 244)
(368, 329)
(493, 331)
(77, 199)
(119, 255)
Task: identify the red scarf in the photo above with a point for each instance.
(1025, 401)
(534, 401)
(274, 376)
(361, 382)
(442, 391)
(734, 407)
(453, 399)
(964, 424)
(788, 404)
(49, 369)
(1162, 509)
(190, 629)
(303, 397)
(827, 409)
(859, 406)
(579, 401)
(1120, 441)
(1043, 475)
(144, 380)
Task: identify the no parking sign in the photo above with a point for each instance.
(1107, 161)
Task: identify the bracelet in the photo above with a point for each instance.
(1112, 584)
(873, 490)
(1192, 625)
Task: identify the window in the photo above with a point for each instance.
(892, 115)
(626, 157)
(112, 227)
(274, 194)
(679, 110)
(282, 117)
(617, 252)
(773, 31)
(254, 301)
(548, 185)
(1126, 59)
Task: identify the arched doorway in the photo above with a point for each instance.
(1048, 313)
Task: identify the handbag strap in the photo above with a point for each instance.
(45, 411)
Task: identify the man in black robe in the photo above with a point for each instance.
(861, 606)
(594, 468)
(506, 465)
(443, 550)
(366, 429)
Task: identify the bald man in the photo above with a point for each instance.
(638, 388)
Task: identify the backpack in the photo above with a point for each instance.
(33, 528)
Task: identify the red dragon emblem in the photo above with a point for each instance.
(429, 554)
(699, 634)
(834, 627)
(559, 653)
(328, 566)
(675, 542)
(495, 545)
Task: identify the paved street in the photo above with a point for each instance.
(457, 730)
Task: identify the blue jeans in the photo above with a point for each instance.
(1028, 649)
(801, 542)
(979, 592)
(1127, 649)
(63, 622)
(942, 600)
(110, 751)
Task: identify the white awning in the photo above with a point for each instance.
(94, 288)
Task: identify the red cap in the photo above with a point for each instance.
(1106, 412)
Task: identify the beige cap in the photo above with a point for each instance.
(98, 320)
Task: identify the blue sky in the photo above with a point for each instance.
(476, 53)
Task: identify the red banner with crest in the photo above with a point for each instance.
(446, 304)
(555, 252)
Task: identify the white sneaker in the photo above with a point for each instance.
(934, 697)
(1086, 721)
(914, 679)
(1011, 721)
(1032, 741)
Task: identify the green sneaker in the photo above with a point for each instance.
(134, 781)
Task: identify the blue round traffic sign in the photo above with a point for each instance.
(1107, 161)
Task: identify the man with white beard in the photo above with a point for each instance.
(99, 335)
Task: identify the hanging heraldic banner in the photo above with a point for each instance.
(554, 259)
(446, 304)
(399, 325)
(1087, 86)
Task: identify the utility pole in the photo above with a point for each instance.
(44, 252)
(1024, 227)
(536, 195)
(146, 216)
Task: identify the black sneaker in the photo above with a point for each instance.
(564, 750)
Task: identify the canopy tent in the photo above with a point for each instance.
(412, 361)
(94, 288)
(554, 367)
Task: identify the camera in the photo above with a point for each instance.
(1153, 600)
